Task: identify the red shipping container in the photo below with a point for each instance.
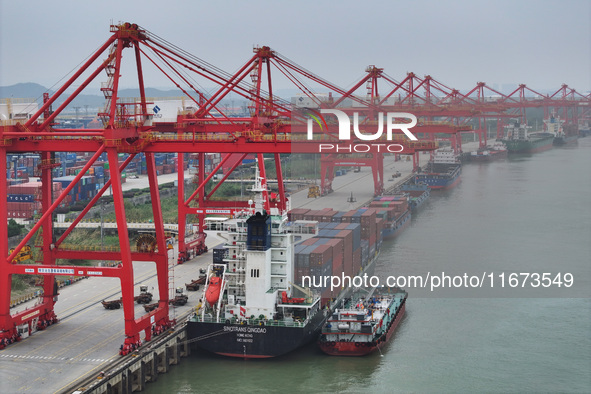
(337, 255)
(310, 241)
(379, 228)
(297, 214)
(368, 217)
(356, 262)
(321, 255)
(23, 206)
(346, 237)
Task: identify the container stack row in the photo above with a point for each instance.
(24, 199)
(346, 243)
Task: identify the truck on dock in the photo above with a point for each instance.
(114, 304)
(179, 299)
(144, 297)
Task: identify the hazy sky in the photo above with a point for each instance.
(540, 43)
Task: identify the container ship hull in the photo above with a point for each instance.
(263, 340)
(396, 211)
(417, 195)
(398, 226)
(253, 341)
(441, 180)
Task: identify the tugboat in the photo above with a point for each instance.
(497, 151)
(364, 324)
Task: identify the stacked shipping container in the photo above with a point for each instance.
(355, 237)
(24, 204)
(24, 200)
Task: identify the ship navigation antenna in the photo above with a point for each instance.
(258, 188)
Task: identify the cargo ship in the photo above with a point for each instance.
(363, 324)
(265, 294)
(443, 172)
(418, 194)
(518, 140)
(496, 151)
(398, 213)
(563, 134)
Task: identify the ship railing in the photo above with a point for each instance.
(251, 322)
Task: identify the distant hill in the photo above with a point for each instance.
(35, 91)
(23, 90)
(94, 99)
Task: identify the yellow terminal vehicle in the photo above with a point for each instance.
(314, 192)
(24, 254)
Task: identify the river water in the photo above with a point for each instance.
(524, 214)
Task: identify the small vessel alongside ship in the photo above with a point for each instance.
(492, 152)
(519, 140)
(443, 171)
(364, 324)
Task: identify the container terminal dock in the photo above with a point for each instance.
(92, 345)
(86, 340)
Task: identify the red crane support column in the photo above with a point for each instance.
(202, 191)
(379, 188)
(415, 162)
(6, 325)
(127, 292)
(326, 174)
(500, 129)
(201, 216)
(161, 257)
(182, 212)
(49, 297)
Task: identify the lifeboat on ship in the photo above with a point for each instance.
(213, 290)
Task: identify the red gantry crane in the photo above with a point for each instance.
(129, 128)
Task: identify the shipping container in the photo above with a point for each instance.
(356, 266)
(297, 214)
(321, 255)
(337, 217)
